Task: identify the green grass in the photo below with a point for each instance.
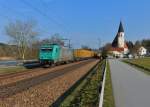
(145, 62)
(14, 69)
(87, 93)
(142, 63)
(108, 90)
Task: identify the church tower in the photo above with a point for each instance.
(119, 47)
(120, 35)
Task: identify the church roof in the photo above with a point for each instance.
(113, 48)
(120, 27)
(115, 41)
(116, 49)
(125, 45)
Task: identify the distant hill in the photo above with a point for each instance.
(3, 44)
(7, 50)
(6, 45)
(11, 52)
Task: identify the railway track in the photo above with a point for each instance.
(22, 85)
(10, 75)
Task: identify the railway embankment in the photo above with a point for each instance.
(15, 66)
(85, 92)
(43, 90)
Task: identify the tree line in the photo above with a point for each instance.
(133, 47)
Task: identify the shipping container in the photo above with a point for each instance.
(83, 54)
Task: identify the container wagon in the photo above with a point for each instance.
(80, 54)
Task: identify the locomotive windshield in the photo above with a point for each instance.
(46, 49)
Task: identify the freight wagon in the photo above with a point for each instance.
(54, 54)
(80, 54)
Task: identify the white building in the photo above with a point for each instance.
(142, 51)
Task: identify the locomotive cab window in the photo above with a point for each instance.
(46, 50)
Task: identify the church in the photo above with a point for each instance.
(119, 47)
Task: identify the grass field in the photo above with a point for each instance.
(14, 69)
(143, 63)
(108, 91)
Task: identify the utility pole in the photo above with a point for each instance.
(99, 43)
(69, 43)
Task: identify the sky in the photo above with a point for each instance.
(84, 22)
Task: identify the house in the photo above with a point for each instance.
(142, 51)
(119, 47)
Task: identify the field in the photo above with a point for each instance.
(143, 63)
(4, 70)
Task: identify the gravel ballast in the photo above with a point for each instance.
(44, 94)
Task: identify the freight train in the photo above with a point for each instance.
(81, 54)
(55, 54)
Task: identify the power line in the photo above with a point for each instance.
(35, 9)
(14, 11)
(45, 6)
(58, 17)
(3, 14)
(43, 14)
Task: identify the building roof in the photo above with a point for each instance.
(115, 41)
(125, 45)
(120, 27)
(141, 48)
(117, 49)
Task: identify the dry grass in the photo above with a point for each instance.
(13, 69)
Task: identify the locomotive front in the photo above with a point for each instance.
(45, 54)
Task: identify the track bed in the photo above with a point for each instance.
(42, 88)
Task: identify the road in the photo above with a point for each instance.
(131, 87)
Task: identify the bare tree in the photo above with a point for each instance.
(56, 39)
(85, 47)
(107, 46)
(22, 33)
